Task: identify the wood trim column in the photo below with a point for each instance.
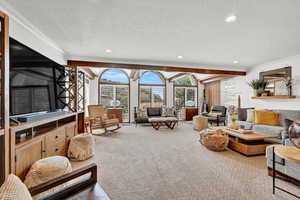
(4, 93)
(212, 93)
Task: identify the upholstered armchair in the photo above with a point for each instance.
(99, 120)
(216, 115)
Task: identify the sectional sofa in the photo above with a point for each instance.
(150, 112)
(285, 168)
(273, 130)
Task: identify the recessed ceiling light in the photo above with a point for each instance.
(107, 50)
(235, 62)
(231, 18)
(179, 57)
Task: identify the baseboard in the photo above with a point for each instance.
(291, 179)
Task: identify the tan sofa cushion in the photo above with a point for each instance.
(13, 189)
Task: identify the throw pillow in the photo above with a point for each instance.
(168, 112)
(250, 115)
(154, 112)
(242, 113)
(214, 113)
(13, 188)
(266, 118)
(142, 114)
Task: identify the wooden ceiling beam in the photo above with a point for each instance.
(177, 75)
(77, 63)
(214, 78)
(89, 72)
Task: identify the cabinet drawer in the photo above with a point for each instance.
(61, 147)
(61, 136)
(54, 142)
(70, 130)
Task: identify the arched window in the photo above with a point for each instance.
(151, 90)
(185, 80)
(152, 78)
(114, 91)
(114, 76)
(185, 89)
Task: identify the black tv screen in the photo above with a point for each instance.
(36, 82)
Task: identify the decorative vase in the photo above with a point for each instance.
(255, 93)
(259, 92)
(234, 125)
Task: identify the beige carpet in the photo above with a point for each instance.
(144, 164)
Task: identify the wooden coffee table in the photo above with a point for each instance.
(157, 122)
(248, 144)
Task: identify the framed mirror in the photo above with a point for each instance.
(278, 81)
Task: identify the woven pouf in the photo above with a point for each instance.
(47, 169)
(81, 147)
(200, 123)
(215, 140)
(13, 189)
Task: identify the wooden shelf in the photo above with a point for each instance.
(274, 97)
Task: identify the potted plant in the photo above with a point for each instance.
(258, 85)
(233, 124)
(254, 84)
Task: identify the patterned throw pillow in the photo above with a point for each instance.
(142, 113)
(168, 112)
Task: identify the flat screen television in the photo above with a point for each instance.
(36, 82)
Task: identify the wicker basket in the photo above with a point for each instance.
(215, 140)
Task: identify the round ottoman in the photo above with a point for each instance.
(47, 169)
(215, 140)
(200, 123)
(81, 147)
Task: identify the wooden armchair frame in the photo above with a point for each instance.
(98, 119)
(87, 187)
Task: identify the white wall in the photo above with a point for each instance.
(134, 93)
(87, 95)
(231, 88)
(200, 96)
(169, 95)
(93, 100)
(241, 87)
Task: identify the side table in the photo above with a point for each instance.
(289, 153)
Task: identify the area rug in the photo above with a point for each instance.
(144, 164)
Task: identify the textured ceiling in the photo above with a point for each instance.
(158, 31)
